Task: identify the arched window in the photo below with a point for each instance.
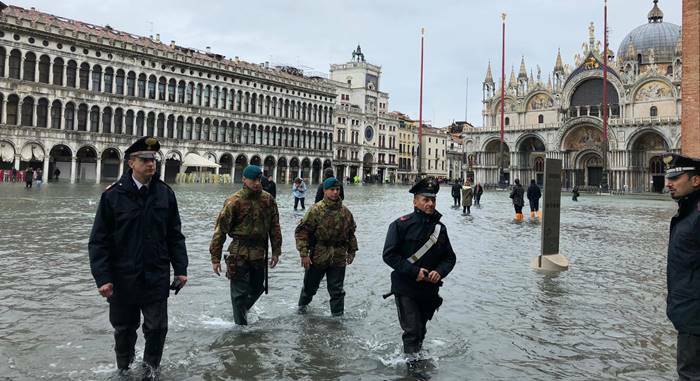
(12, 109)
(170, 127)
(3, 55)
(140, 118)
(141, 86)
(44, 67)
(14, 64)
(507, 121)
(160, 125)
(120, 82)
(42, 113)
(107, 120)
(180, 127)
(56, 115)
(171, 90)
(161, 88)
(97, 78)
(118, 118)
(540, 119)
(189, 92)
(215, 97)
(82, 117)
(71, 74)
(239, 101)
(207, 96)
(131, 84)
(150, 124)
(109, 79)
(58, 72)
(181, 92)
(653, 111)
(94, 119)
(198, 96)
(70, 116)
(152, 87)
(29, 66)
(83, 76)
(129, 123)
(27, 111)
(539, 164)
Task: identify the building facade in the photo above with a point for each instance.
(408, 149)
(365, 130)
(455, 157)
(562, 118)
(74, 96)
(434, 159)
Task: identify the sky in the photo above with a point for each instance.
(461, 37)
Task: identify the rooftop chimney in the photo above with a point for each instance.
(157, 37)
(208, 49)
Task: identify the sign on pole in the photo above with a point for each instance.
(550, 258)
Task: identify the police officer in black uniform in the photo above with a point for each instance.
(135, 239)
(418, 272)
(683, 267)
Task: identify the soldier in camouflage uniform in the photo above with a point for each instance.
(326, 243)
(250, 218)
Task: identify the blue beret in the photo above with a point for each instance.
(330, 182)
(252, 172)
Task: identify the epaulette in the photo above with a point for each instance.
(404, 218)
(110, 186)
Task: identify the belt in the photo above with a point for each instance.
(331, 243)
(250, 242)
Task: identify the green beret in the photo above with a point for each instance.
(331, 182)
(252, 172)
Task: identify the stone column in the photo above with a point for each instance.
(64, 79)
(73, 167)
(3, 117)
(121, 169)
(274, 173)
(162, 170)
(98, 170)
(89, 80)
(18, 159)
(286, 175)
(216, 170)
(7, 65)
(45, 175)
(311, 174)
(35, 106)
(50, 71)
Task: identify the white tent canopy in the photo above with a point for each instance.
(194, 160)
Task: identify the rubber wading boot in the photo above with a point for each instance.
(539, 214)
(532, 215)
(518, 217)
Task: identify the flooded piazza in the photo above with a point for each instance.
(602, 319)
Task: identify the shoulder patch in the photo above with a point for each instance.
(110, 186)
(404, 218)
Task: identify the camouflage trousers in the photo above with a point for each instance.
(246, 287)
(335, 278)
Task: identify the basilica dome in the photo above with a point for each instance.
(661, 36)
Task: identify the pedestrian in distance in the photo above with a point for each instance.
(250, 217)
(327, 173)
(28, 177)
(575, 193)
(299, 191)
(135, 239)
(326, 242)
(533, 196)
(467, 196)
(456, 194)
(418, 250)
(56, 174)
(517, 194)
(270, 186)
(39, 177)
(683, 264)
(478, 191)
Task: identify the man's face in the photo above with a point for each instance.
(332, 193)
(425, 204)
(142, 168)
(253, 184)
(683, 185)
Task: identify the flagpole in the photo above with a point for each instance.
(605, 184)
(501, 179)
(420, 109)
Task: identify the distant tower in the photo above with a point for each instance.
(559, 73)
(512, 83)
(522, 79)
(489, 87)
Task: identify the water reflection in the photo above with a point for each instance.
(603, 319)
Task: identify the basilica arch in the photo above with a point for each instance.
(530, 158)
(645, 150)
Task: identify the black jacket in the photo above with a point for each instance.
(319, 193)
(271, 188)
(683, 267)
(134, 240)
(405, 236)
(478, 190)
(533, 192)
(456, 190)
(517, 195)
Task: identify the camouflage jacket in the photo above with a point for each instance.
(327, 233)
(250, 219)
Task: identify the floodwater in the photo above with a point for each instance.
(602, 319)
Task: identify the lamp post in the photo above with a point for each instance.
(501, 175)
(605, 186)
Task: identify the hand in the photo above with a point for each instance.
(183, 279)
(217, 268)
(434, 276)
(350, 259)
(306, 262)
(106, 290)
(273, 261)
(422, 275)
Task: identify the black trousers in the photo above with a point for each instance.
(413, 317)
(246, 287)
(125, 318)
(296, 202)
(335, 278)
(477, 199)
(688, 357)
(518, 208)
(457, 200)
(534, 205)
